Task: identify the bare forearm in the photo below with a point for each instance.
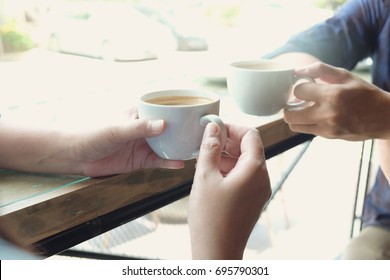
(214, 252)
(36, 150)
(221, 247)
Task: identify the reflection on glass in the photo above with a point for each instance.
(16, 186)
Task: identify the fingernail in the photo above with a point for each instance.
(211, 129)
(156, 125)
(254, 132)
(300, 70)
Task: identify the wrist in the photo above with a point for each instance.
(219, 248)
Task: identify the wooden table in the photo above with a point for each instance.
(54, 213)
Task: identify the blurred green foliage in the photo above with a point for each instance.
(14, 38)
(330, 4)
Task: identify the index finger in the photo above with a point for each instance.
(252, 145)
(327, 73)
(330, 75)
(235, 135)
(252, 153)
(310, 91)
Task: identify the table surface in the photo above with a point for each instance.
(53, 213)
(44, 210)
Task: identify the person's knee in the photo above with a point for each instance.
(373, 243)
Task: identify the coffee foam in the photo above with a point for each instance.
(179, 100)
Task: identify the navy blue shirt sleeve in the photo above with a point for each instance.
(343, 40)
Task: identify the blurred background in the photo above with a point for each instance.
(147, 28)
(192, 38)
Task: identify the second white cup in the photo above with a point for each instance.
(263, 87)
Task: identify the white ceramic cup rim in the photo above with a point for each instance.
(179, 92)
(281, 67)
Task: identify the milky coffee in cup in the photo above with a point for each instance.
(179, 100)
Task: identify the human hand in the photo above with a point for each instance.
(121, 148)
(345, 106)
(228, 192)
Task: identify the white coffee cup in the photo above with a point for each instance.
(186, 113)
(263, 87)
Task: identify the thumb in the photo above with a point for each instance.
(211, 148)
(325, 72)
(136, 129)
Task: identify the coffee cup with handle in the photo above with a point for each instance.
(186, 113)
(263, 87)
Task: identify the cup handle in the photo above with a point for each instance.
(296, 105)
(217, 120)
